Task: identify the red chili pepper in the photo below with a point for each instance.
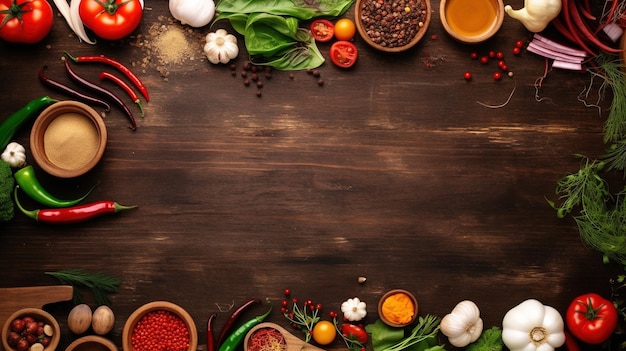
(122, 84)
(116, 64)
(210, 338)
(104, 91)
(71, 92)
(233, 317)
(72, 214)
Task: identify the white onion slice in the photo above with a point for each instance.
(78, 26)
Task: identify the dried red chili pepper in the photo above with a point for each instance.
(122, 84)
(72, 92)
(104, 91)
(73, 214)
(210, 338)
(116, 64)
(233, 317)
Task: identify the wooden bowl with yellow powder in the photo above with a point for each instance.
(68, 139)
(398, 308)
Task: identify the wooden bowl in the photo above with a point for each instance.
(420, 14)
(38, 315)
(292, 342)
(166, 306)
(92, 343)
(390, 294)
(61, 130)
(480, 28)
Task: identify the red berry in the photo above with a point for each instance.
(474, 55)
(519, 44)
(484, 60)
(332, 314)
(504, 68)
(492, 54)
(500, 63)
(500, 55)
(467, 75)
(434, 37)
(516, 51)
(287, 292)
(284, 303)
(318, 306)
(497, 75)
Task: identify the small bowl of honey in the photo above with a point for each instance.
(471, 21)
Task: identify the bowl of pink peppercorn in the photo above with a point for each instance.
(160, 325)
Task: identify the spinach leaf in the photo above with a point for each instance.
(384, 336)
(300, 9)
(276, 41)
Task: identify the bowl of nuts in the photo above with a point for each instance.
(30, 329)
(392, 26)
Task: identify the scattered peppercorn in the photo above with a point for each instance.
(320, 82)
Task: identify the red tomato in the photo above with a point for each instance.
(343, 53)
(591, 318)
(25, 21)
(322, 30)
(111, 19)
(354, 332)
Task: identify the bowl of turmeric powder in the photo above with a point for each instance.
(398, 308)
(68, 139)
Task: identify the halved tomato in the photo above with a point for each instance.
(322, 30)
(343, 53)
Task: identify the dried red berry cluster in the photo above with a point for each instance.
(503, 68)
(160, 331)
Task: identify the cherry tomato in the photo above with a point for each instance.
(324, 332)
(322, 30)
(111, 19)
(591, 318)
(344, 29)
(354, 332)
(25, 21)
(343, 53)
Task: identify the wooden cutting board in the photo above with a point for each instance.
(13, 299)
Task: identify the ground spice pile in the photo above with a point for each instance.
(71, 141)
(168, 45)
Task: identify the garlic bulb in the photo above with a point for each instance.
(354, 309)
(15, 155)
(196, 13)
(221, 46)
(463, 325)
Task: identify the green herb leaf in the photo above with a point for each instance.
(489, 340)
(383, 336)
(100, 284)
(300, 9)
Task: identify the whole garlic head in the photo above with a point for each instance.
(221, 47)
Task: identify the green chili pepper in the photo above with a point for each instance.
(232, 342)
(10, 125)
(29, 183)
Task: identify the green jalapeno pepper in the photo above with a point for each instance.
(29, 183)
(232, 342)
(10, 125)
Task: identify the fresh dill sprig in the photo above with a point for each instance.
(615, 124)
(584, 184)
(615, 156)
(100, 284)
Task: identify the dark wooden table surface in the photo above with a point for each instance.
(392, 170)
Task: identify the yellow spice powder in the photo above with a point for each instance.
(398, 308)
(70, 141)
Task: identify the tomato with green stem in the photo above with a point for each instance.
(111, 19)
(343, 54)
(25, 21)
(322, 30)
(591, 318)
